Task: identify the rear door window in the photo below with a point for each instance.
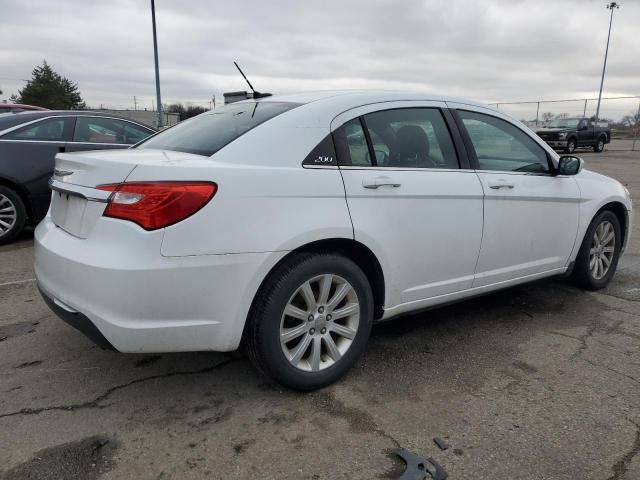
(108, 130)
(209, 132)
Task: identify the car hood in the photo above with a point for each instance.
(552, 130)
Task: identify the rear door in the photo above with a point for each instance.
(102, 133)
(530, 214)
(27, 156)
(585, 132)
(410, 200)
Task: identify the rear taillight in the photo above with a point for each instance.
(154, 205)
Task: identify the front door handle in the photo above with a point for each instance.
(500, 184)
(380, 182)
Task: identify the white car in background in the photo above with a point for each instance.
(293, 223)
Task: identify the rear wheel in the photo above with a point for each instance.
(599, 146)
(13, 215)
(311, 321)
(597, 259)
(571, 146)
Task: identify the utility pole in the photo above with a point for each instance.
(135, 103)
(155, 54)
(611, 6)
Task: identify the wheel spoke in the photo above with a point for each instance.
(289, 334)
(301, 349)
(346, 311)
(296, 312)
(592, 264)
(5, 224)
(309, 297)
(315, 354)
(332, 348)
(609, 249)
(325, 288)
(338, 296)
(606, 240)
(343, 331)
(607, 261)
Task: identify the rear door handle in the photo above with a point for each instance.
(379, 182)
(500, 184)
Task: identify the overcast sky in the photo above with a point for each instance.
(489, 50)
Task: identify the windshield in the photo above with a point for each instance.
(563, 123)
(209, 132)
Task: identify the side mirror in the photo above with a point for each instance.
(569, 165)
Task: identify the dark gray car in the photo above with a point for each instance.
(29, 142)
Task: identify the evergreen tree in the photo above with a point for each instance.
(50, 90)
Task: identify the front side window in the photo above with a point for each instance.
(209, 132)
(501, 146)
(108, 130)
(411, 138)
(47, 130)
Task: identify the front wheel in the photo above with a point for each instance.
(311, 321)
(598, 257)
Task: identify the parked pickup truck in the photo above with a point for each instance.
(568, 133)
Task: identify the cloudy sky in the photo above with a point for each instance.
(489, 50)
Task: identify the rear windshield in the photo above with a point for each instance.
(209, 132)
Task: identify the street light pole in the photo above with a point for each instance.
(155, 54)
(611, 7)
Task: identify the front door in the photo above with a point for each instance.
(409, 200)
(530, 215)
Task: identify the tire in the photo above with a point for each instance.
(13, 215)
(286, 289)
(599, 146)
(571, 146)
(583, 272)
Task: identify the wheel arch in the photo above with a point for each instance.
(620, 211)
(20, 191)
(352, 249)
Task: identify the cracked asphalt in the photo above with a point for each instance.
(541, 381)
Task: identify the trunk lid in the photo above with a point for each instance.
(76, 204)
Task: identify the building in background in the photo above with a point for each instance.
(148, 117)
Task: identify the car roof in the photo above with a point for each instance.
(28, 116)
(363, 97)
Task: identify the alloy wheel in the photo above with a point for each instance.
(603, 246)
(8, 215)
(319, 323)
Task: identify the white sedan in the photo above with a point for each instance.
(293, 223)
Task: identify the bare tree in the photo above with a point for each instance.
(546, 116)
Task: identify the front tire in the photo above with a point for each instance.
(311, 321)
(597, 259)
(13, 215)
(599, 146)
(571, 146)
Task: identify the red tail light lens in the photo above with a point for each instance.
(154, 205)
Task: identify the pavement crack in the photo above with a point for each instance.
(96, 402)
(583, 342)
(612, 370)
(620, 467)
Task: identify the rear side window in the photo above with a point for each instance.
(351, 144)
(52, 129)
(209, 132)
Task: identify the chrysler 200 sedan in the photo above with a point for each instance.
(292, 224)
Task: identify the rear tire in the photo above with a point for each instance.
(599, 146)
(571, 146)
(13, 215)
(598, 257)
(301, 332)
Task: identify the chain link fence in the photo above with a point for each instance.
(621, 113)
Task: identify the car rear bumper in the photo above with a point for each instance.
(128, 294)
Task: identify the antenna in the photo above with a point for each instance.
(245, 77)
(237, 96)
